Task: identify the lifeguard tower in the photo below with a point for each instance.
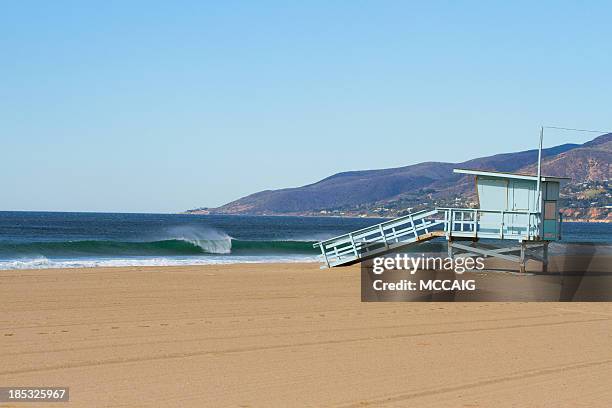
(511, 207)
(517, 207)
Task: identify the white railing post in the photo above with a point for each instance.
(424, 224)
(446, 221)
(413, 226)
(384, 237)
(354, 246)
(324, 254)
(529, 226)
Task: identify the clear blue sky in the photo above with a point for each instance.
(161, 107)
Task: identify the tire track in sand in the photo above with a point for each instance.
(168, 356)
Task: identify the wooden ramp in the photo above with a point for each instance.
(379, 239)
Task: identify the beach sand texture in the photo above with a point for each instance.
(284, 335)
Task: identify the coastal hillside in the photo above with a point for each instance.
(389, 192)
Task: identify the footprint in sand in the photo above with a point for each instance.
(9, 334)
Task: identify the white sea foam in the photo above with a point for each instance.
(45, 263)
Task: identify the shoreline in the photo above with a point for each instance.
(297, 263)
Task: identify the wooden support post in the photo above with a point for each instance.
(545, 257)
(449, 244)
(522, 258)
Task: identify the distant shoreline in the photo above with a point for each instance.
(590, 221)
(578, 220)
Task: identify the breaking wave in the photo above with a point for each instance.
(182, 245)
(176, 246)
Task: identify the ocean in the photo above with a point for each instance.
(60, 240)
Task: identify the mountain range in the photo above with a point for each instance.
(389, 192)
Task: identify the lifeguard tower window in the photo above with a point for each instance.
(550, 210)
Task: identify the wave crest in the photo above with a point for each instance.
(211, 241)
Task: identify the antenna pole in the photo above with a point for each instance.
(539, 207)
(540, 163)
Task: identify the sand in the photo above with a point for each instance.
(290, 335)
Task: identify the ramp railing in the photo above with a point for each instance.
(493, 224)
(379, 238)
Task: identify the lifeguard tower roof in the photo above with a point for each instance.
(501, 174)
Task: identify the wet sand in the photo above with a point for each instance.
(265, 335)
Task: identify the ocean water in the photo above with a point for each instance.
(51, 240)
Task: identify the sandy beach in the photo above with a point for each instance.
(264, 335)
